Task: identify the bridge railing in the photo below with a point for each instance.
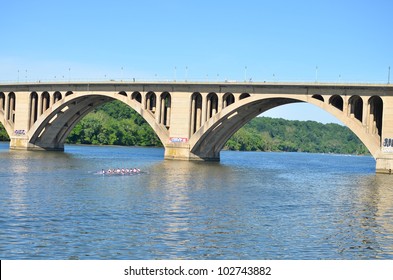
(128, 81)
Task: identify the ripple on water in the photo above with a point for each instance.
(248, 206)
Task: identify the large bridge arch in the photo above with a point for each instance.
(208, 141)
(51, 129)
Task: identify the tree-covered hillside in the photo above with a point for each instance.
(268, 134)
(114, 123)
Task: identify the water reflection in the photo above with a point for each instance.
(184, 208)
(384, 214)
(370, 217)
(249, 206)
(356, 218)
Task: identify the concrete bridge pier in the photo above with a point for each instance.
(22, 143)
(17, 120)
(384, 165)
(182, 151)
(19, 143)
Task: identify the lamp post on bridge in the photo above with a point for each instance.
(389, 75)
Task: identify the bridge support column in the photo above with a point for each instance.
(385, 157)
(177, 151)
(19, 137)
(384, 165)
(181, 151)
(19, 142)
(23, 143)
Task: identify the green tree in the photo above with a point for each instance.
(3, 134)
(113, 123)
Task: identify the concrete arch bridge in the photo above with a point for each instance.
(193, 120)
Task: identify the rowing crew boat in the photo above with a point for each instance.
(118, 171)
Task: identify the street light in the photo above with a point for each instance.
(389, 76)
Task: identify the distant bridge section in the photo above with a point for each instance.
(192, 120)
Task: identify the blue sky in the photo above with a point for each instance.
(349, 41)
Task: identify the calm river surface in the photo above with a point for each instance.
(249, 206)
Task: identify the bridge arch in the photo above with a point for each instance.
(151, 100)
(355, 107)
(33, 108)
(337, 101)
(196, 128)
(45, 102)
(228, 99)
(123, 93)
(10, 107)
(51, 129)
(244, 95)
(208, 141)
(375, 104)
(165, 109)
(212, 104)
(2, 101)
(57, 96)
(318, 97)
(136, 95)
(196, 112)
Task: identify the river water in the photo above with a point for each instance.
(251, 205)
